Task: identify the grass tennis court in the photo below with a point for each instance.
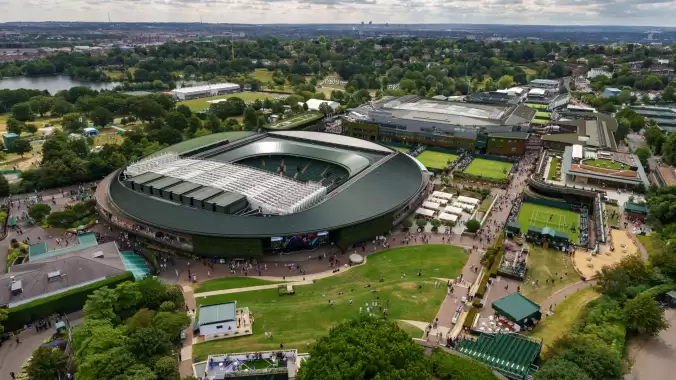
(305, 316)
(296, 121)
(247, 96)
(436, 160)
(481, 167)
(533, 215)
(537, 106)
(543, 115)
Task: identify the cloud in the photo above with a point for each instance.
(555, 12)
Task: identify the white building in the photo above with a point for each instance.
(313, 104)
(593, 73)
(217, 320)
(204, 91)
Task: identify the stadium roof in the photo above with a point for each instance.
(510, 135)
(333, 140)
(206, 88)
(545, 81)
(567, 170)
(636, 208)
(388, 185)
(510, 354)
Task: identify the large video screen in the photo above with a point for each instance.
(299, 242)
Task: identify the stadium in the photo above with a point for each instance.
(241, 194)
(466, 125)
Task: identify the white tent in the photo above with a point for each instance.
(468, 200)
(464, 206)
(438, 200)
(449, 217)
(431, 205)
(441, 194)
(424, 212)
(453, 210)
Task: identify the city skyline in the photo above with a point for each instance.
(518, 12)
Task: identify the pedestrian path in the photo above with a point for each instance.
(562, 294)
(250, 288)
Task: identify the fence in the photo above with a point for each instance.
(496, 158)
(547, 202)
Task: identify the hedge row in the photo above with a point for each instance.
(469, 320)
(502, 181)
(66, 302)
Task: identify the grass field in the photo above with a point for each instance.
(413, 331)
(296, 121)
(547, 264)
(613, 220)
(231, 283)
(486, 204)
(540, 122)
(552, 168)
(301, 318)
(543, 115)
(436, 160)
(565, 315)
(263, 75)
(605, 164)
(650, 243)
(537, 106)
(401, 149)
(108, 139)
(562, 220)
(489, 168)
(201, 103)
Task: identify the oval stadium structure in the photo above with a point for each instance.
(239, 194)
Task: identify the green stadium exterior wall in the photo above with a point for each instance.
(547, 202)
(493, 158)
(362, 131)
(358, 233)
(66, 302)
(505, 146)
(227, 247)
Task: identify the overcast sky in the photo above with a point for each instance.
(557, 12)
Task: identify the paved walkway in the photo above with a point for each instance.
(562, 294)
(250, 288)
(13, 355)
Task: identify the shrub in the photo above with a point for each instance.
(450, 367)
(473, 225)
(469, 320)
(407, 223)
(66, 302)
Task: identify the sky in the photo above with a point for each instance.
(542, 12)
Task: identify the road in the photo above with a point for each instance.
(653, 357)
(13, 355)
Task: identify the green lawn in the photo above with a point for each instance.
(413, 331)
(436, 160)
(541, 122)
(296, 121)
(537, 106)
(231, 283)
(547, 264)
(543, 115)
(565, 315)
(399, 148)
(486, 204)
(201, 103)
(566, 217)
(613, 220)
(481, 167)
(301, 318)
(552, 168)
(263, 75)
(604, 164)
(650, 243)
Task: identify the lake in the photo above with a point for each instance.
(53, 84)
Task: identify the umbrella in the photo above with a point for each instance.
(81, 227)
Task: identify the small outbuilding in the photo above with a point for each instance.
(219, 319)
(518, 309)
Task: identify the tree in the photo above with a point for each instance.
(407, 223)
(201, 132)
(4, 191)
(47, 364)
(473, 225)
(213, 123)
(23, 112)
(450, 367)
(128, 297)
(560, 369)
(42, 104)
(177, 120)
(185, 110)
(3, 317)
(39, 211)
(20, 147)
(435, 223)
(366, 348)
(15, 126)
(421, 223)
(61, 107)
(148, 343)
(101, 116)
(100, 304)
(644, 316)
(73, 123)
(594, 357)
(655, 137)
(166, 368)
(643, 154)
(172, 323)
(148, 109)
(31, 128)
(325, 109)
(505, 81)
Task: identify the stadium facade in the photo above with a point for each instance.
(457, 125)
(239, 195)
